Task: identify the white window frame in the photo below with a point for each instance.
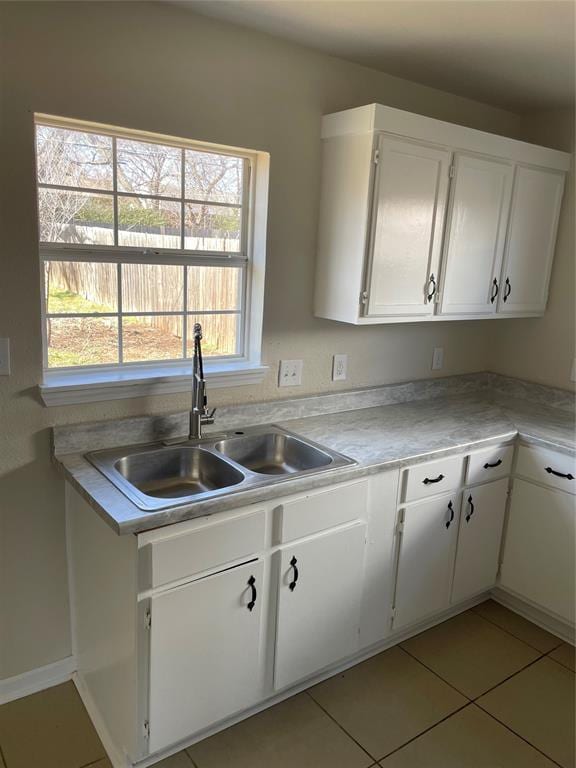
(83, 384)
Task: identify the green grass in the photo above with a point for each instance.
(63, 301)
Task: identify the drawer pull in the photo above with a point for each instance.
(491, 466)
(507, 289)
(429, 480)
(252, 585)
(451, 510)
(292, 585)
(559, 474)
(471, 505)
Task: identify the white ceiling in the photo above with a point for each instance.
(518, 54)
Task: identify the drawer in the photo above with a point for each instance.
(491, 464)
(556, 470)
(319, 511)
(208, 546)
(433, 477)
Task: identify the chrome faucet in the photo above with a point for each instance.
(199, 415)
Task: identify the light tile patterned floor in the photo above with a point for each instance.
(486, 689)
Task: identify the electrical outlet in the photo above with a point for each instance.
(290, 374)
(4, 357)
(438, 358)
(339, 367)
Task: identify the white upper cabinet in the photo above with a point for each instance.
(475, 235)
(409, 205)
(531, 239)
(423, 220)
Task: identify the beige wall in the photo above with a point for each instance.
(160, 68)
(542, 349)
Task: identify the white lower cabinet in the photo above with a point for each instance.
(319, 600)
(204, 652)
(539, 556)
(479, 539)
(426, 559)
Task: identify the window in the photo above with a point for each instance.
(140, 238)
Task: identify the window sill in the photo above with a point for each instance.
(71, 387)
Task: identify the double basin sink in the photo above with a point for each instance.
(159, 476)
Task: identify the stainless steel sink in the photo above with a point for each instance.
(174, 472)
(163, 475)
(274, 453)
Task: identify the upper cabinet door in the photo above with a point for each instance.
(409, 207)
(475, 236)
(536, 201)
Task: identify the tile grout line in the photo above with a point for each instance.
(556, 661)
(522, 738)
(427, 730)
(473, 609)
(307, 692)
(506, 679)
(468, 699)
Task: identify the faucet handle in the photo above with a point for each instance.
(211, 413)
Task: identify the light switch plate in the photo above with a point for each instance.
(4, 357)
(438, 359)
(339, 367)
(290, 374)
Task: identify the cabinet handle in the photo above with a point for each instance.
(559, 474)
(431, 289)
(429, 480)
(451, 510)
(471, 504)
(252, 585)
(495, 290)
(491, 466)
(507, 289)
(292, 585)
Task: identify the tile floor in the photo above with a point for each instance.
(486, 689)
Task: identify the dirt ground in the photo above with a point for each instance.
(92, 341)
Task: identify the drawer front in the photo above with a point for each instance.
(491, 464)
(433, 477)
(556, 470)
(320, 511)
(205, 547)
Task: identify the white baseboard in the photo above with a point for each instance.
(535, 615)
(37, 679)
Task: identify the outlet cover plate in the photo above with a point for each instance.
(339, 367)
(290, 374)
(438, 359)
(4, 357)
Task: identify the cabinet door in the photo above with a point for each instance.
(479, 538)
(409, 207)
(426, 559)
(536, 201)
(204, 652)
(539, 548)
(476, 232)
(320, 592)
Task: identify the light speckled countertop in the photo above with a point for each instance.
(378, 438)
